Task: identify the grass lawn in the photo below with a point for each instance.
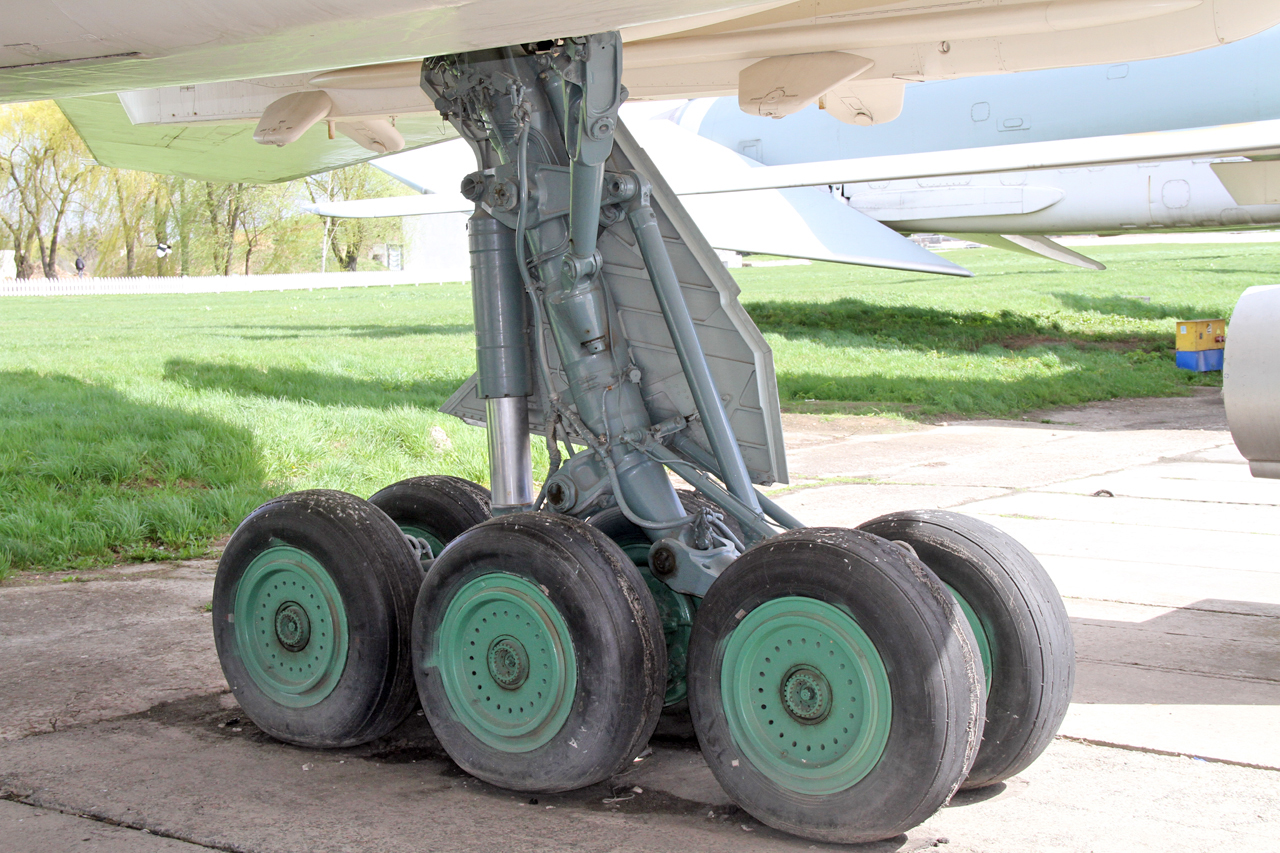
(140, 427)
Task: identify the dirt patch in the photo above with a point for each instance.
(121, 572)
(1201, 409)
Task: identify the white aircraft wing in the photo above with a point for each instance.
(1222, 141)
(800, 222)
(209, 151)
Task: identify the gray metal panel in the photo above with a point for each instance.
(740, 360)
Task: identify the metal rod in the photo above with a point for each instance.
(752, 520)
(690, 448)
(510, 459)
(689, 349)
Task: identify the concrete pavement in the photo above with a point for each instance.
(1166, 551)
(116, 731)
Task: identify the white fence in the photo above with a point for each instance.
(205, 284)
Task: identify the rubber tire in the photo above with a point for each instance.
(676, 722)
(377, 578)
(616, 635)
(1032, 651)
(445, 506)
(928, 651)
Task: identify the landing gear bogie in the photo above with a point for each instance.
(675, 609)
(1021, 625)
(835, 686)
(311, 609)
(538, 653)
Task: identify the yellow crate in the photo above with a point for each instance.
(1200, 335)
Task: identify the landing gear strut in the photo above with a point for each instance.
(834, 682)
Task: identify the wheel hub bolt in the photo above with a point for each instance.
(293, 626)
(508, 662)
(806, 695)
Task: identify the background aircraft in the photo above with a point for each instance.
(1018, 210)
(1011, 210)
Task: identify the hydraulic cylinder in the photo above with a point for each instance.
(502, 360)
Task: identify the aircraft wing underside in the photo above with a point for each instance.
(224, 152)
(197, 81)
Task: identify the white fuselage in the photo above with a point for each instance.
(676, 48)
(1165, 196)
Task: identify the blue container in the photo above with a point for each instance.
(1203, 361)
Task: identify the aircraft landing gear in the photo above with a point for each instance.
(539, 653)
(835, 684)
(312, 606)
(1021, 626)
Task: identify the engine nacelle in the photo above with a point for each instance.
(1251, 379)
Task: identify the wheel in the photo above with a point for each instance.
(835, 686)
(675, 609)
(538, 653)
(1021, 625)
(437, 508)
(312, 606)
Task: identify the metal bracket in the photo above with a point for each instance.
(687, 569)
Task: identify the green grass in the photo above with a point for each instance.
(1022, 334)
(140, 427)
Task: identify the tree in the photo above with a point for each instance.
(223, 207)
(43, 164)
(348, 237)
(132, 192)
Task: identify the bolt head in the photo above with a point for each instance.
(602, 128)
(662, 562)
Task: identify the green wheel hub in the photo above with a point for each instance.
(676, 610)
(979, 633)
(806, 695)
(291, 626)
(426, 535)
(506, 662)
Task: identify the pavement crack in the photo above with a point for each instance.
(1045, 490)
(36, 802)
(1221, 676)
(1170, 753)
(1188, 607)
